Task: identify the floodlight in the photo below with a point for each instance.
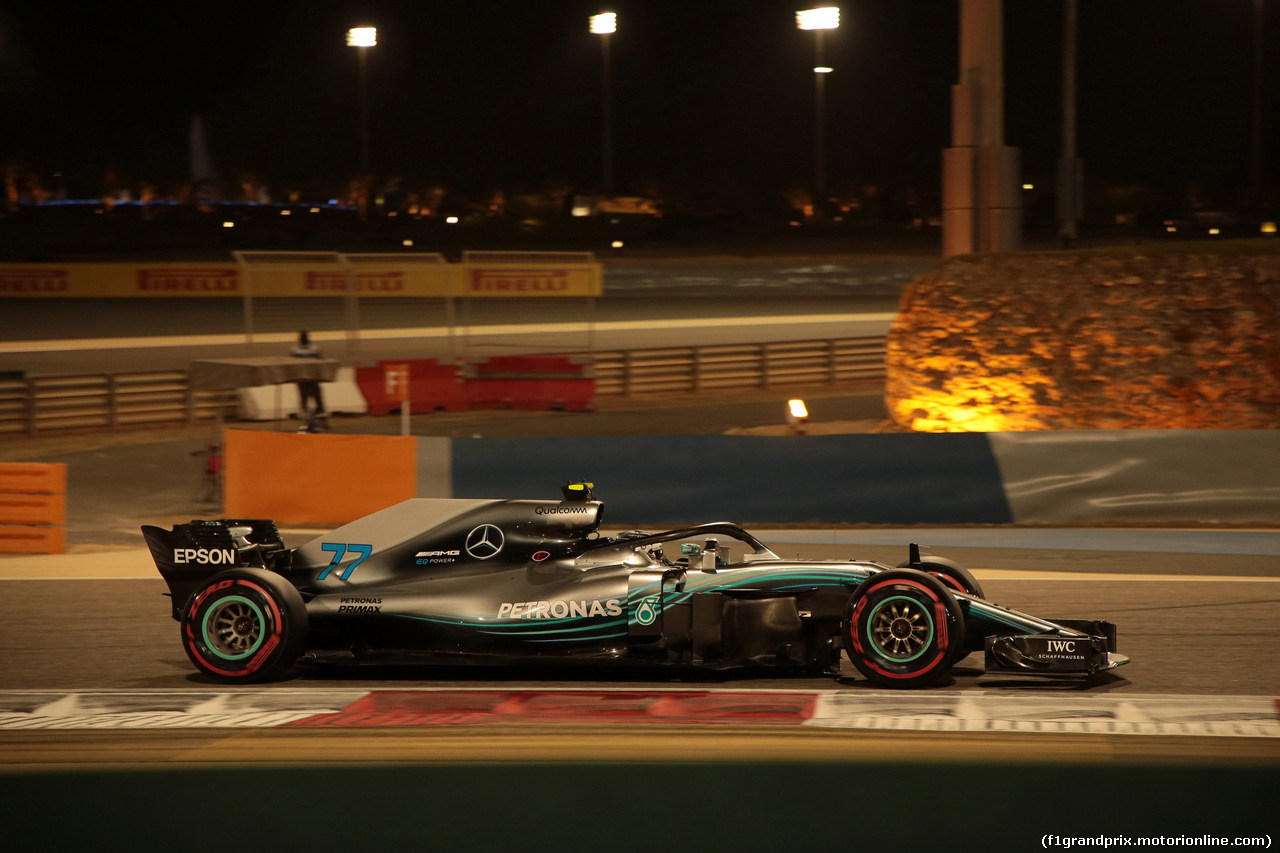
(822, 18)
(362, 36)
(604, 23)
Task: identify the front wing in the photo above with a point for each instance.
(1091, 651)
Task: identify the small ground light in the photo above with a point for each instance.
(617, 244)
(1268, 228)
(797, 415)
(406, 242)
(1214, 231)
(452, 220)
(228, 225)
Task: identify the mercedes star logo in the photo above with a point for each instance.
(484, 541)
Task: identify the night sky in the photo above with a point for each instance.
(706, 92)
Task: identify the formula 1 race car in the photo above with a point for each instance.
(526, 581)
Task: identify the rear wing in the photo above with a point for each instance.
(192, 552)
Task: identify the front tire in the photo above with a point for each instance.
(951, 573)
(244, 626)
(903, 629)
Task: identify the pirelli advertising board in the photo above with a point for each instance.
(536, 279)
(298, 279)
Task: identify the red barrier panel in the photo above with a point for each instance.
(531, 364)
(531, 382)
(432, 386)
(471, 707)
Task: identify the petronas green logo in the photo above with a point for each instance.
(647, 611)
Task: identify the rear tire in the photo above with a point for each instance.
(903, 629)
(244, 626)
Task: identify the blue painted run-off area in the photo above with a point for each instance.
(678, 479)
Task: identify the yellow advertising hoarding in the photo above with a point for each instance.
(299, 279)
(96, 280)
(296, 278)
(529, 279)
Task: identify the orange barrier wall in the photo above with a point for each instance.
(322, 479)
(33, 478)
(33, 507)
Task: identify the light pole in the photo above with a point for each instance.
(1070, 167)
(1255, 154)
(363, 38)
(604, 25)
(819, 19)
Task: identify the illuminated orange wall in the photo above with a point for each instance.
(316, 479)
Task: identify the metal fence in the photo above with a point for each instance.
(728, 367)
(54, 404)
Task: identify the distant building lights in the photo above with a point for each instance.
(228, 224)
(822, 18)
(1214, 231)
(1172, 229)
(617, 244)
(1028, 186)
(452, 220)
(406, 243)
(315, 210)
(286, 212)
(1268, 228)
(362, 36)
(604, 23)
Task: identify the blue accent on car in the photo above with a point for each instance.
(339, 551)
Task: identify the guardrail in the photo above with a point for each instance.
(728, 367)
(52, 404)
(62, 403)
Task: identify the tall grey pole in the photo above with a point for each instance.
(1255, 160)
(1070, 168)
(981, 196)
(820, 123)
(364, 107)
(606, 113)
